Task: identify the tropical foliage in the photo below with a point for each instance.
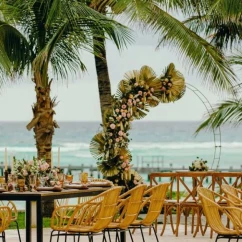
(139, 91)
(45, 37)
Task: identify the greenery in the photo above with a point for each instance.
(21, 222)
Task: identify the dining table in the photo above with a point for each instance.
(39, 197)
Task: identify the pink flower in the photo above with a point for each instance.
(112, 126)
(137, 100)
(127, 168)
(120, 133)
(123, 165)
(128, 115)
(110, 134)
(25, 173)
(121, 157)
(130, 101)
(124, 114)
(117, 140)
(123, 106)
(152, 89)
(145, 93)
(136, 84)
(31, 162)
(134, 102)
(116, 110)
(140, 93)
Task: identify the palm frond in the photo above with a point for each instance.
(97, 146)
(229, 111)
(198, 53)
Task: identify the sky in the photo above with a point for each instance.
(78, 97)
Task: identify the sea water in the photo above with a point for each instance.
(173, 142)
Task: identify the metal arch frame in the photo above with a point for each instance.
(216, 132)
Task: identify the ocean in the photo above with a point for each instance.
(171, 144)
(162, 144)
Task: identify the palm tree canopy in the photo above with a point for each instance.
(198, 53)
(37, 33)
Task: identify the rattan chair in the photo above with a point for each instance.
(86, 219)
(127, 210)
(155, 202)
(5, 220)
(212, 211)
(14, 212)
(233, 194)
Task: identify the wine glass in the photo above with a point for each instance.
(83, 176)
(14, 182)
(61, 177)
(32, 182)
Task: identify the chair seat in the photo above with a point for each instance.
(82, 229)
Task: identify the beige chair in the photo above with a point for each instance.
(155, 203)
(14, 213)
(5, 220)
(86, 219)
(213, 210)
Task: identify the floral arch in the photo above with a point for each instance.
(139, 91)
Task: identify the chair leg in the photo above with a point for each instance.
(18, 230)
(155, 232)
(58, 236)
(3, 236)
(104, 237)
(109, 236)
(142, 233)
(51, 235)
(131, 236)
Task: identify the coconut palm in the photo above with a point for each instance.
(44, 37)
(153, 15)
(222, 24)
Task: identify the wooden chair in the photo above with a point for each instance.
(127, 210)
(14, 213)
(155, 202)
(86, 219)
(5, 218)
(212, 211)
(187, 199)
(170, 203)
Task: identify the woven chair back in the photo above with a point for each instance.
(96, 213)
(132, 206)
(156, 201)
(231, 193)
(5, 217)
(211, 211)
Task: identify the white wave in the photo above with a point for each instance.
(71, 147)
(184, 145)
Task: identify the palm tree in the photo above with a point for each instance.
(153, 15)
(43, 37)
(222, 24)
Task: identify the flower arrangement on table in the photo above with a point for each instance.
(139, 91)
(199, 165)
(38, 167)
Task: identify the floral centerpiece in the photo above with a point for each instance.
(39, 167)
(199, 165)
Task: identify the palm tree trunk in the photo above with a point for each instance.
(42, 122)
(104, 85)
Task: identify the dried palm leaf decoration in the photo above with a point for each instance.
(137, 93)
